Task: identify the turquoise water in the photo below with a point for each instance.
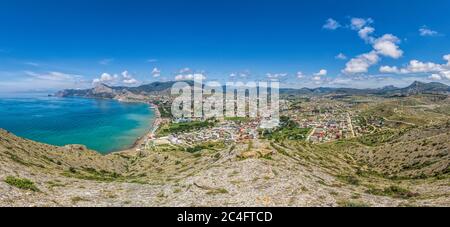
(101, 125)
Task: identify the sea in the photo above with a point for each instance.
(100, 124)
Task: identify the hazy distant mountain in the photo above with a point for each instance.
(106, 91)
(413, 89)
(420, 88)
(163, 88)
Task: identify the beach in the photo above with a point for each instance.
(142, 141)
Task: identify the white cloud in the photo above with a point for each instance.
(418, 67)
(359, 23)
(361, 63)
(128, 78)
(156, 72)
(300, 75)
(41, 81)
(364, 30)
(322, 72)
(126, 75)
(341, 56)
(331, 24)
(185, 70)
(276, 75)
(435, 77)
(179, 77)
(152, 60)
(365, 33)
(447, 58)
(53, 76)
(387, 46)
(445, 74)
(389, 69)
(195, 76)
(189, 74)
(130, 81)
(243, 74)
(424, 31)
(317, 77)
(414, 66)
(105, 78)
(364, 81)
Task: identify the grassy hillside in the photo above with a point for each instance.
(409, 167)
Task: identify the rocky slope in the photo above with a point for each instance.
(106, 91)
(290, 173)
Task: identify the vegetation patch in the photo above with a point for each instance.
(53, 184)
(175, 128)
(393, 191)
(17, 159)
(205, 146)
(377, 138)
(288, 130)
(349, 179)
(217, 191)
(279, 149)
(21, 183)
(93, 174)
(351, 203)
(78, 199)
(165, 109)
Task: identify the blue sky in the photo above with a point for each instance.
(51, 44)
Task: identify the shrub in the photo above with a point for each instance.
(21, 183)
(349, 179)
(345, 203)
(175, 128)
(217, 191)
(393, 191)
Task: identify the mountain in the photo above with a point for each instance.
(421, 88)
(106, 91)
(414, 89)
(163, 88)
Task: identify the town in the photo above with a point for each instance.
(317, 119)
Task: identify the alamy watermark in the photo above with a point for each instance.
(197, 100)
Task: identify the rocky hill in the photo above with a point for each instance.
(409, 169)
(424, 88)
(163, 88)
(106, 91)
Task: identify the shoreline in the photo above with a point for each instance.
(142, 140)
(139, 141)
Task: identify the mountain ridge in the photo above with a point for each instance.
(163, 88)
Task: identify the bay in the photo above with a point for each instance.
(101, 125)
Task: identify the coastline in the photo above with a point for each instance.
(142, 140)
(139, 141)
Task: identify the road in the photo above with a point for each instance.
(311, 134)
(349, 120)
(401, 122)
